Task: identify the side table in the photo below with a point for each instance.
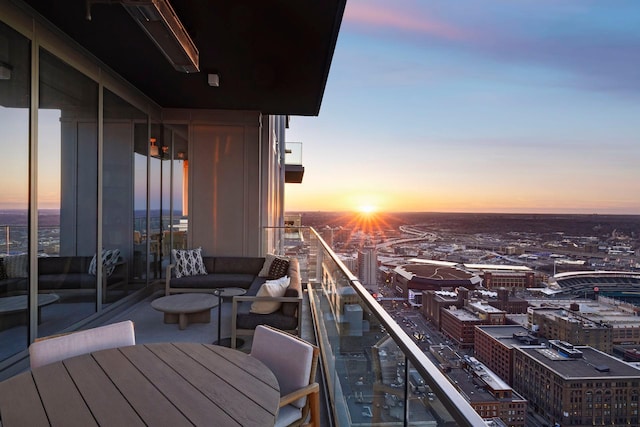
(223, 293)
(186, 308)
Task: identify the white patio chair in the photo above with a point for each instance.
(55, 348)
(294, 362)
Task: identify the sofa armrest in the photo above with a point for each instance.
(249, 298)
(121, 269)
(167, 279)
(120, 272)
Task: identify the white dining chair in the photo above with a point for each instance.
(293, 361)
(55, 348)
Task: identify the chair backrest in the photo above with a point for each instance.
(53, 349)
(292, 360)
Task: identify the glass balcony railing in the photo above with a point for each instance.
(293, 153)
(374, 372)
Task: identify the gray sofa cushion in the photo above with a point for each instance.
(13, 285)
(67, 281)
(63, 264)
(249, 265)
(64, 272)
(206, 281)
(277, 319)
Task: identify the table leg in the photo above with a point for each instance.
(220, 301)
(226, 342)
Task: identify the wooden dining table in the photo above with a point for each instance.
(164, 384)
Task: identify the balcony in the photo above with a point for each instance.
(372, 372)
(293, 169)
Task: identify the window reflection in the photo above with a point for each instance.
(14, 197)
(67, 194)
(166, 223)
(118, 227)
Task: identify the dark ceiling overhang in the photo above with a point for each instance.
(271, 56)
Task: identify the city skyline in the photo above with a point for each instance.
(523, 107)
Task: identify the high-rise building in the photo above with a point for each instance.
(368, 266)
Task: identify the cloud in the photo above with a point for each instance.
(379, 17)
(585, 47)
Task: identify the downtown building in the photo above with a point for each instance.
(577, 385)
(485, 391)
(459, 323)
(431, 276)
(558, 323)
(603, 323)
(434, 301)
(368, 266)
(512, 277)
(494, 346)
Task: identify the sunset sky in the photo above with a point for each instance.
(478, 106)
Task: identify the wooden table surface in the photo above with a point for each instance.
(165, 384)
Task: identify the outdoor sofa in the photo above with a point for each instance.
(245, 273)
(58, 274)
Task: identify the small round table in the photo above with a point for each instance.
(186, 308)
(15, 308)
(226, 293)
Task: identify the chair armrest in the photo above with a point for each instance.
(299, 393)
(167, 279)
(312, 391)
(240, 298)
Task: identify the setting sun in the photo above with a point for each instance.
(367, 209)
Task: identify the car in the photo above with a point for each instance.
(366, 412)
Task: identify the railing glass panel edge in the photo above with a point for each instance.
(375, 373)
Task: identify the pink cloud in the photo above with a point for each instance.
(379, 16)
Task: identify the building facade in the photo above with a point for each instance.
(112, 146)
(459, 323)
(368, 266)
(567, 325)
(577, 385)
(493, 346)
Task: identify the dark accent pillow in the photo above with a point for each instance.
(3, 271)
(279, 268)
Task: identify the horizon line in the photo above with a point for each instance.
(459, 212)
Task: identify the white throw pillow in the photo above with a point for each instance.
(109, 261)
(270, 288)
(268, 260)
(188, 262)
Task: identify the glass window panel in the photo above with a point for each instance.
(140, 232)
(67, 192)
(14, 175)
(175, 178)
(156, 201)
(120, 230)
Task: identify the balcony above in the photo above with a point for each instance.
(293, 174)
(272, 57)
(293, 169)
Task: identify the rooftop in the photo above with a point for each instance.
(584, 367)
(508, 335)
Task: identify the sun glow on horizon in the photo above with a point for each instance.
(367, 209)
